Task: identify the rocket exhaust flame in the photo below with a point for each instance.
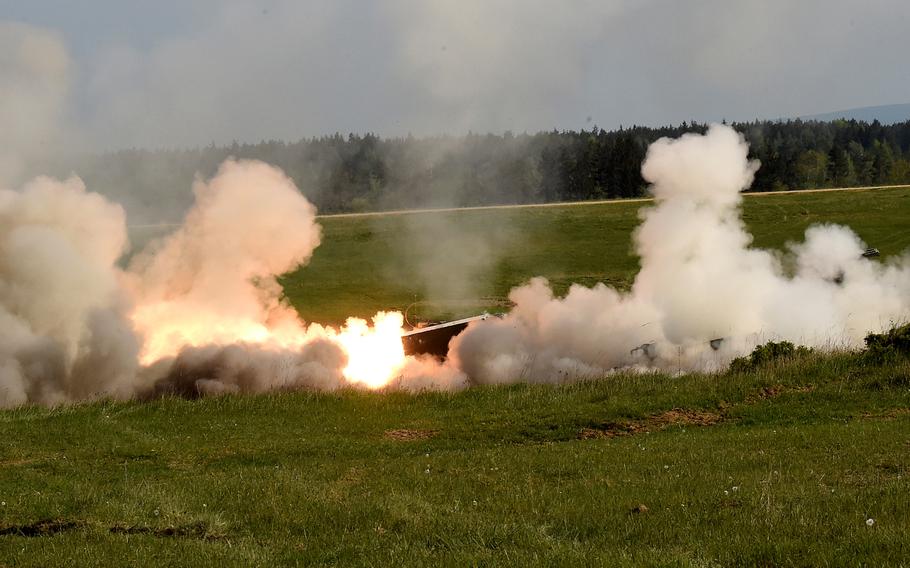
(375, 355)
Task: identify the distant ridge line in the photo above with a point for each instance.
(885, 114)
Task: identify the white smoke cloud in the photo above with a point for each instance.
(699, 281)
(196, 313)
(200, 312)
(212, 315)
(63, 332)
(214, 277)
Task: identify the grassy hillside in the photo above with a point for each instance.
(371, 263)
(781, 466)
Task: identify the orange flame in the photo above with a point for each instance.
(375, 353)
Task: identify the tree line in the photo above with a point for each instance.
(363, 172)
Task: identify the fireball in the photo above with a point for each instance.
(375, 355)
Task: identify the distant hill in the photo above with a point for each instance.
(886, 114)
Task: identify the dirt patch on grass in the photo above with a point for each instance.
(684, 416)
(653, 423)
(606, 430)
(200, 531)
(889, 414)
(14, 462)
(408, 435)
(44, 527)
(50, 527)
(340, 489)
(774, 391)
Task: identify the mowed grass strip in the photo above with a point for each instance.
(366, 264)
(796, 457)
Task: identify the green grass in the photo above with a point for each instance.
(804, 453)
(366, 264)
(779, 466)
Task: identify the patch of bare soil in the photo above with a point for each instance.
(653, 423)
(409, 435)
(194, 530)
(889, 414)
(14, 462)
(44, 527)
(774, 391)
(50, 527)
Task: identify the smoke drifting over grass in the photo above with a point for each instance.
(702, 296)
(452, 257)
(199, 312)
(64, 333)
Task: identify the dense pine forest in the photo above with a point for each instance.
(365, 172)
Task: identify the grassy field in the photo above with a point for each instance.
(800, 462)
(783, 466)
(371, 263)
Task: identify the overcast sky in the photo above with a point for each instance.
(175, 73)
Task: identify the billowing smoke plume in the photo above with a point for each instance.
(214, 278)
(64, 334)
(200, 311)
(702, 295)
